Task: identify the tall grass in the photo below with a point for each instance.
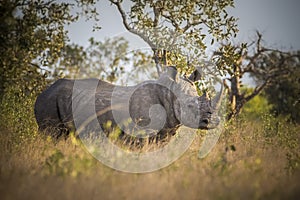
(253, 159)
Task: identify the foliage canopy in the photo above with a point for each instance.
(179, 28)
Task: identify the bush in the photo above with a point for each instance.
(17, 108)
(256, 107)
(282, 133)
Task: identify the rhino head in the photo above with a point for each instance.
(192, 110)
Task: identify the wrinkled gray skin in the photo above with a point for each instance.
(176, 96)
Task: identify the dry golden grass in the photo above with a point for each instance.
(243, 165)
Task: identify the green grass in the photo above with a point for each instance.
(252, 160)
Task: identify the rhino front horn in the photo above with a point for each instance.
(218, 99)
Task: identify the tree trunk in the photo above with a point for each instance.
(235, 96)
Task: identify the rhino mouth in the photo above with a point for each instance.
(207, 123)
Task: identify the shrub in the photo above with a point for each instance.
(17, 108)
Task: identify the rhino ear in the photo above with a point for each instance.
(172, 72)
(196, 75)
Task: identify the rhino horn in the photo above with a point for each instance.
(216, 102)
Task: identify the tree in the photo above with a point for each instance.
(32, 36)
(179, 28)
(177, 31)
(264, 64)
(284, 92)
(25, 39)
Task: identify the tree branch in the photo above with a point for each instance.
(130, 29)
(173, 22)
(157, 13)
(136, 32)
(38, 67)
(257, 90)
(189, 25)
(226, 85)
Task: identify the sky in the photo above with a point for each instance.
(277, 20)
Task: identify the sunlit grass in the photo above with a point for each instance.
(245, 163)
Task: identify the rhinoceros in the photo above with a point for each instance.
(162, 105)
